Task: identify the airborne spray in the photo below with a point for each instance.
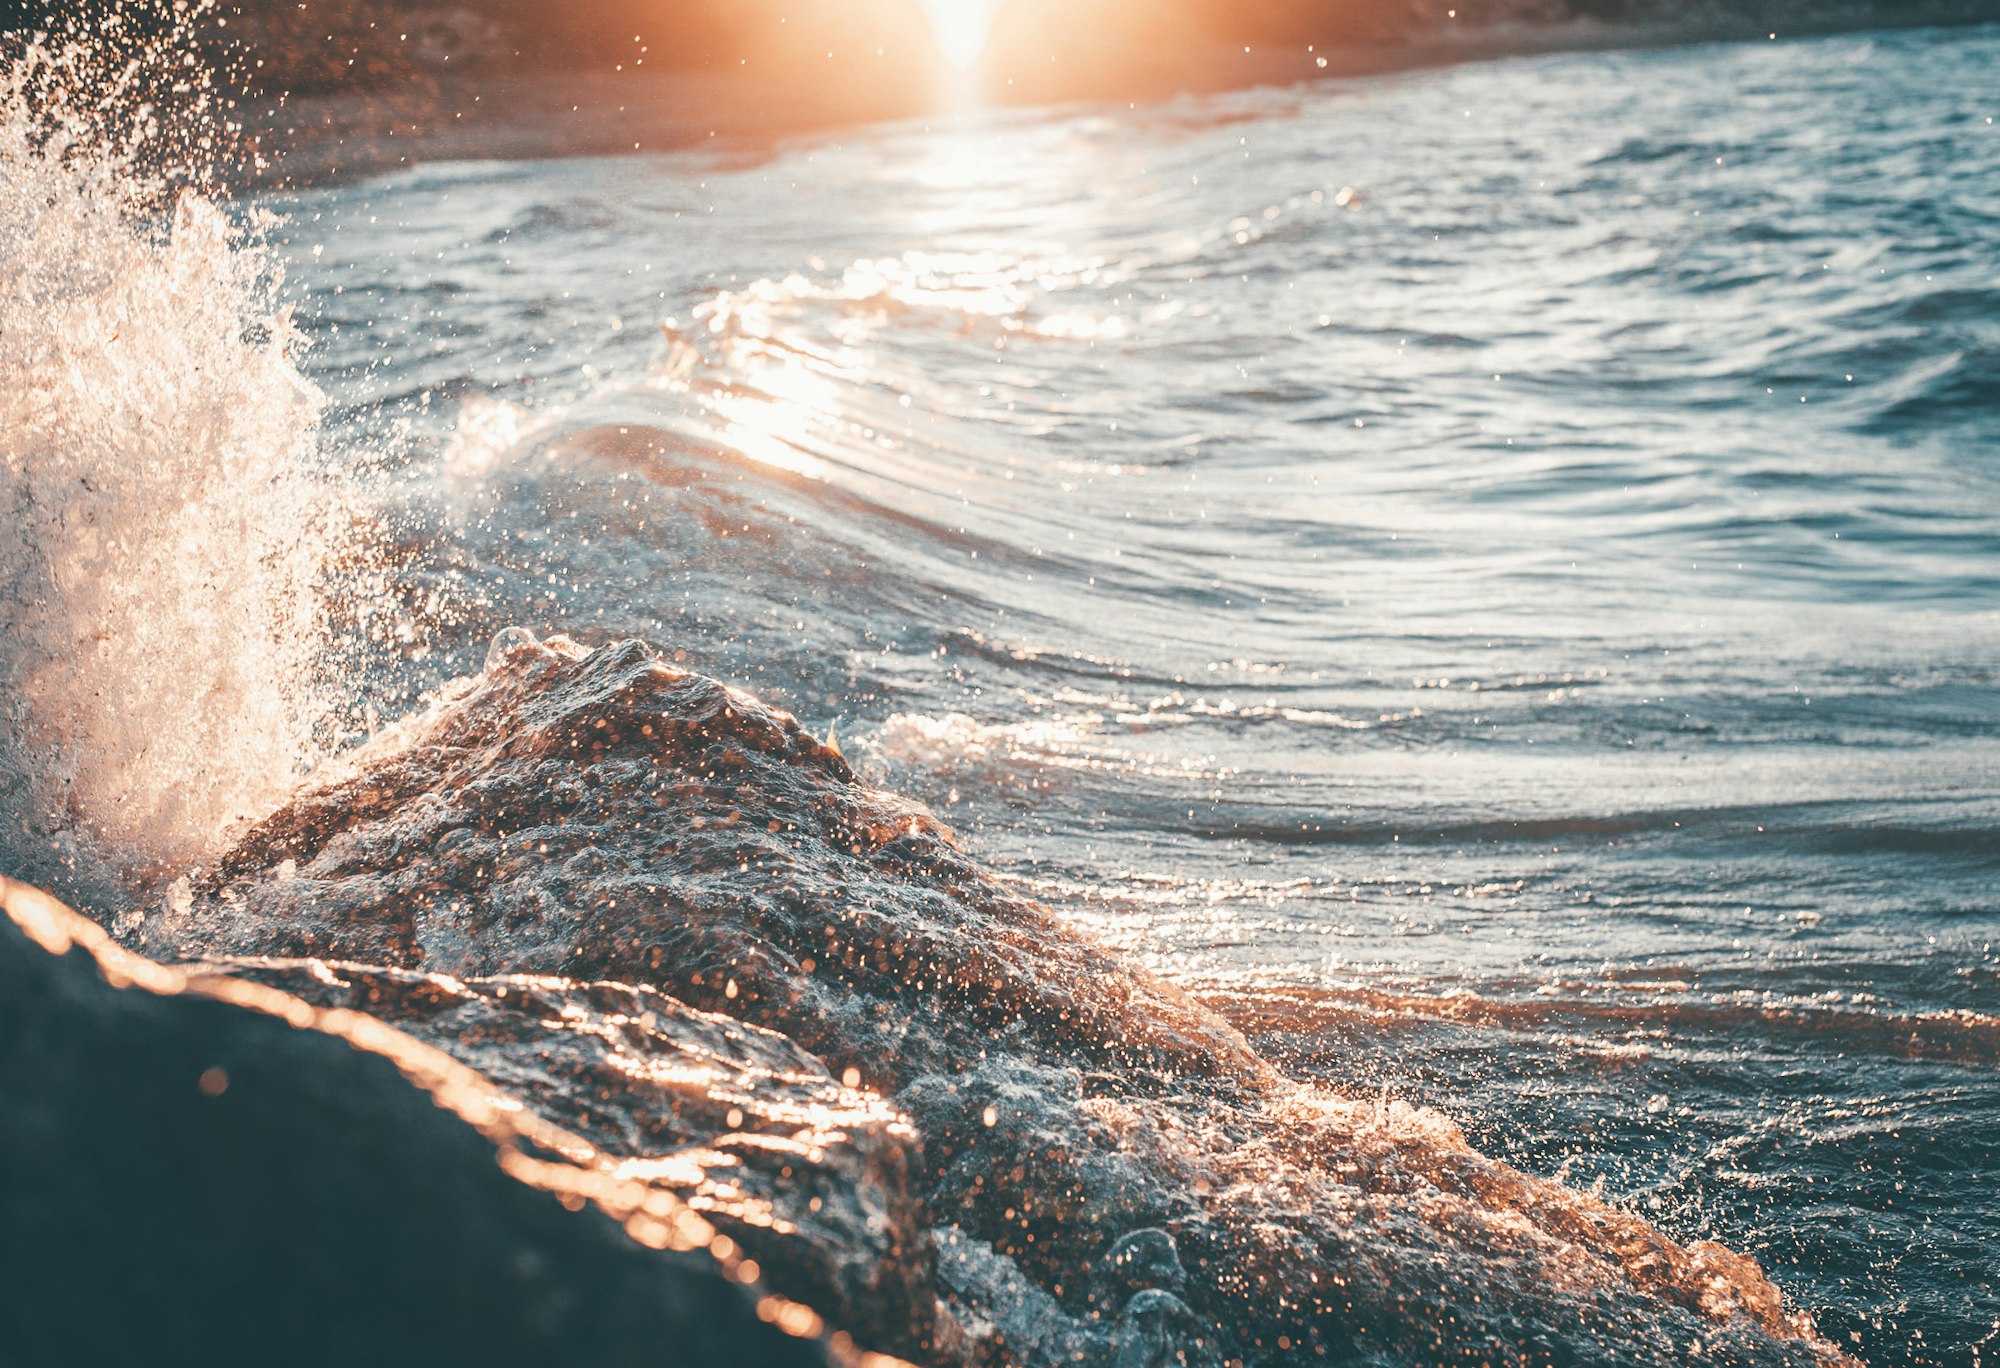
(166, 525)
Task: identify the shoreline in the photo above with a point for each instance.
(328, 137)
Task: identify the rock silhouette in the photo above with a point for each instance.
(213, 1173)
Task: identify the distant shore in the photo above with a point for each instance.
(329, 90)
(340, 132)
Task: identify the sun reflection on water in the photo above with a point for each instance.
(780, 365)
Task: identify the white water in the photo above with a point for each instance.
(164, 521)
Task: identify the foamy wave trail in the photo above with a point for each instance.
(164, 525)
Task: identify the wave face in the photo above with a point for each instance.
(1462, 595)
(163, 517)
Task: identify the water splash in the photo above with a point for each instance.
(165, 526)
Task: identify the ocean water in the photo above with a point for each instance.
(1489, 578)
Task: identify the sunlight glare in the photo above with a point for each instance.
(960, 29)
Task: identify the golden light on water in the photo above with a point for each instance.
(960, 29)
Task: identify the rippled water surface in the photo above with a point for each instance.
(1490, 576)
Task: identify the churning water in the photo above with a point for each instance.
(1490, 578)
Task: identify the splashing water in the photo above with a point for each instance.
(163, 526)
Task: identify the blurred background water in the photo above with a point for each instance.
(1491, 576)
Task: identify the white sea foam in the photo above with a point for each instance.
(164, 524)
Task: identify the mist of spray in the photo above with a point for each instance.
(166, 525)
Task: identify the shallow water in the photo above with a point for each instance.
(1490, 577)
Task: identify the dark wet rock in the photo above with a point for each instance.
(611, 816)
(187, 1176)
(809, 1177)
(1007, 1317)
(1157, 1330)
(606, 816)
(1138, 1262)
